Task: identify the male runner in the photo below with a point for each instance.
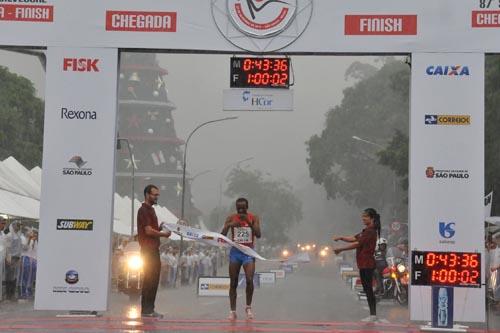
(245, 227)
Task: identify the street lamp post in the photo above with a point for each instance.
(200, 174)
(357, 138)
(185, 158)
(237, 163)
(184, 167)
(132, 162)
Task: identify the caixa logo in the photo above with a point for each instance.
(439, 70)
(80, 65)
(447, 230)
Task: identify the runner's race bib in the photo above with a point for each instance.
(243, 235)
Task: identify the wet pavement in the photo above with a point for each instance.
(312, 299)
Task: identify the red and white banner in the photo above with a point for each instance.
(344, 26)
(381, 25)
(141, 21)
(76, 213)
(27, 13)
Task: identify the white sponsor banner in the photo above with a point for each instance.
(447, 169)
(78, 182)
(258, 99)
(214, 286)
(210, 238)
(267, 277)
(344, 26)
(280, 273)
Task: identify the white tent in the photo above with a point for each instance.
(20, 196)
(17, 205)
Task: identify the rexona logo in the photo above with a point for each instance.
(261, 18)
(380, 24)
(439, 70)
(78, 114)
(79, 170)
(80, 65)
(455, 120)
(447, 231)
(433, 173)
(141, 21)
(76, 225)
(27, 13)
(486, 19)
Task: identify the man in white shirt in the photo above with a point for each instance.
(14, 249)
(172, 262)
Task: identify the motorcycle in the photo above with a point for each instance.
(401, 277)
(131, 274)
(395, 280)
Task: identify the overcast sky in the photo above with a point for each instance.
(275, 140)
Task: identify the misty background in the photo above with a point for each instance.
(274, 140)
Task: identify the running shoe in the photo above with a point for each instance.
(249, 312)
(232, 315)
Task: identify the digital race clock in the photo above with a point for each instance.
(456, 269)
(253, 72)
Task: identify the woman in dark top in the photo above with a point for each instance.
(365, 243)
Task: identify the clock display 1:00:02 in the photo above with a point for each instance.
(277, 79)
(451, 268)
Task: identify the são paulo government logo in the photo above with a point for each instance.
(79, 169)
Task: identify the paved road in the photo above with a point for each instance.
(312, 299)
(313, 293)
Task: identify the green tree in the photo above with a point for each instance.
(492, 138)
(396, 155)
(373, 109)
(21, 120)
(274, 201)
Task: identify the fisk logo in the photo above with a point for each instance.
(80, 65)
(439, 70)
(447, 230)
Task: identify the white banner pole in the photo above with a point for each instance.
(447, 170)
(78, 179)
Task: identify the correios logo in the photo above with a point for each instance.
(80, 65)
(261, 18)
(439, 70)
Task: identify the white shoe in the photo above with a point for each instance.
(232, 315)
(249, 312)
(370, 319)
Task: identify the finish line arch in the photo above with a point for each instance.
(447, 40)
